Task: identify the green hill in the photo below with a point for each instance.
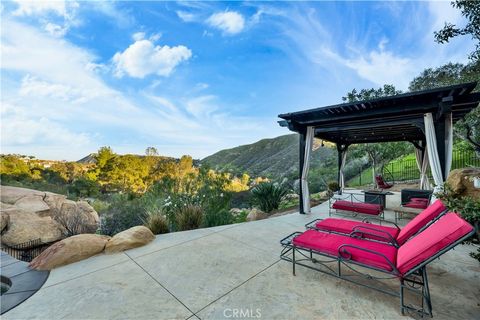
(273, 158)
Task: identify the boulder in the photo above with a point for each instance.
(256, 214)
(11, 195)
(461, 182)
(28, 226)
(54, 201)
(33, 203)
(6, 206)
(77, 215)
(129, 239)
(4, 220)
(69, 250)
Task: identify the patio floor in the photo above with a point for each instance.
(211, 273)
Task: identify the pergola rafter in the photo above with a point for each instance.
(388, 119)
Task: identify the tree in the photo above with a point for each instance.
(151, 151)
(471, 11)
(467, 129)
(368, 94)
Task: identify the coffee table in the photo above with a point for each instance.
(401, 211)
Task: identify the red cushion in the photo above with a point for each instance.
(420, 221)
(419, 200)
(360, 207)
(417, 205)
(347, 226)
(329, 243)
(447, 230)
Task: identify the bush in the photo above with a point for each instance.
(468, 208)
(123, 213)
(189, 217)
(218, 218)
(333, 186)
(268, 195)
(156, 222)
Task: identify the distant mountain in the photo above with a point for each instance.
(273, 158)
(90, 159)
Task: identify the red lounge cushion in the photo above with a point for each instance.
(447, 230)
(329, 243)
(417, 205)
(360, 207)
(347, 226)
(420, 221)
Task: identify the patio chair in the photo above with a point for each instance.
(381, 183)
(390, 234)
(407, 263)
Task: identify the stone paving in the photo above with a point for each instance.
(229, 271)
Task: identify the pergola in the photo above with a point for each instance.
(424, 118)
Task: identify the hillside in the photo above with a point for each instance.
(273, 158)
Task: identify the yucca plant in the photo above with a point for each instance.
(268, 195)
(189, 217)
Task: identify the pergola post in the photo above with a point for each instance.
(341, 149)
(441, 133)
(301, 163)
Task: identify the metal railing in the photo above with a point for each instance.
(26, 251)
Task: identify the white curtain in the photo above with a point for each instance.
(342, 167)
(432, 150)
(306, 168)
(448, 143)
(422, 164)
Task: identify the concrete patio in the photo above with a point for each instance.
(215, 273)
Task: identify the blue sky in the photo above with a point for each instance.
(197, 77)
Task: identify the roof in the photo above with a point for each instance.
(393, 118)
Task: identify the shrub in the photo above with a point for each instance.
(124, 212)
(156, 222)
(218, 218)
(268, 195)
(468, 208)
(333, 186)
(241, 217)
(189, 217)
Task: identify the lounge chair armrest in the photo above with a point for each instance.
(312, 224)
(367, 220)
(386, 236)
(342, 251)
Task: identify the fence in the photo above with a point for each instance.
(26, 251)
(406, 170)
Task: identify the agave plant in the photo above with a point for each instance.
(268, 195)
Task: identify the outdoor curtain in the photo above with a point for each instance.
(306, 168)
(342, 167)
(433, 150)
(422, 164)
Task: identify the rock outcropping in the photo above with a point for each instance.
(28, 215)
(129, 239)
(461, 182)
(70, 250)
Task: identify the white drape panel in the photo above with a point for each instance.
(306, 168)
(342, 167)
(433, 158)
(422, 164)
(448, 143)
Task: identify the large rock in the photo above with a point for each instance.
(129, 239)
(11, 195)
(77, 215)
(461, 182)
(4, 220)
(33, 203)
(69, 250)
(256, 214)
(28, 226)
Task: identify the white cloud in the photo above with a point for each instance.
(28, 8)
(230, 22)
(138, 36)
(143, 58)
(186, 16)
(55, 29)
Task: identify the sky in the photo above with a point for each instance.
(197, 77)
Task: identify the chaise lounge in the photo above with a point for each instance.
(391, 234)
(349, 203)
(407, 263)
